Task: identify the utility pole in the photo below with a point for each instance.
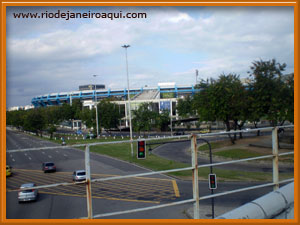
(97, 126)
(129, 103)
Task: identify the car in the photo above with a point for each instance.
(48, 167)
(79, 175)
(27, 195)
(179, 133)
(8, 171)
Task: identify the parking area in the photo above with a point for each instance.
(139, 189)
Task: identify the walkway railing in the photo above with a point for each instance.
(196, 198)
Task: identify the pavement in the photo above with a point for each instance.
(205, 211)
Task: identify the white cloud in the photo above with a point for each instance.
(212, 40)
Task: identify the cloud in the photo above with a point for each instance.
(45, 56)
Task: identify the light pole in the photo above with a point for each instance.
(97, 126)
(129, 103)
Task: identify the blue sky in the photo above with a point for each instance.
(54, 55)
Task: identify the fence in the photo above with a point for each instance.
(195, 200)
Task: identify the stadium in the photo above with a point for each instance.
(162, 97)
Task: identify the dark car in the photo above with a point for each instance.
(48, 167)
(179, 132)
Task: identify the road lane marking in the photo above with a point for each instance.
(128, 190)
(50, 156)
(176, 190)
(65, 155)
(117, 199)
(57, 151)
(13, 160)
(25, 154)
(29, 158)
(43, 152)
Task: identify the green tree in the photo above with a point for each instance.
(108, 114)
(271, 96)
(35, 121)
(289, 82)
(76, 109)
(223, 99)
(87, 116)
(185, 107)
(66, 112)
(143, 118)
(15, 118)
(162, 120)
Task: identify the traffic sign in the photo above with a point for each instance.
(212, 181)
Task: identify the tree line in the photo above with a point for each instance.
(268, 95)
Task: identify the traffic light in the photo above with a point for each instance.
(212, 181)
(141, 151)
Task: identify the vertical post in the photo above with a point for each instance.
(97, 126)
(195, 176)
(88, 182)
(129, 102)
(275, 158)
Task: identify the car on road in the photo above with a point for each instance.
(8, 171)
(79, 175)
(179, 132)
(48, 167)
(27, 195)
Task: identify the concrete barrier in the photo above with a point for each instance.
(268, 206)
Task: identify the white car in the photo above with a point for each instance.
(79, 175)
(27, 195)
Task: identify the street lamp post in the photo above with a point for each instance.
(129, 103)
(97, 126)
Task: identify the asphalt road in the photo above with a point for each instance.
(179, 151)
(67, 203)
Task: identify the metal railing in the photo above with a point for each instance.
(88, 182)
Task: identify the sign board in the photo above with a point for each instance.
(165, 105)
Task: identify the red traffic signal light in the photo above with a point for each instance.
(141, 151)
(212, 181)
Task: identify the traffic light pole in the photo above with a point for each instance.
(211, 171)
(195, 176)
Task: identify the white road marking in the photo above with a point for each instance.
(57, 151)
(65, 155)
(13, 160)
(25, 154)
(43, 152)
(29, 158)
(11, 156)
(50, 156)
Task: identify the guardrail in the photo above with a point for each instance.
(275, 155)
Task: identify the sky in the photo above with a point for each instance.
(49, 55)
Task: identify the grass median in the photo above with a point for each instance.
(153, 162)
